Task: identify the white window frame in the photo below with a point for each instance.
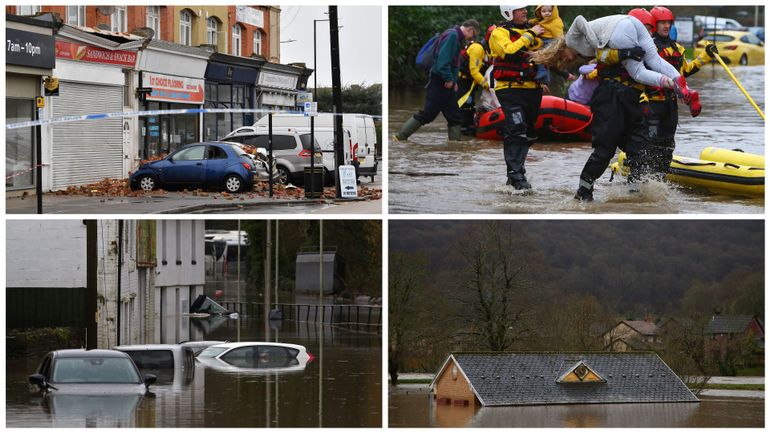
(236, 51)
(257, 42)
(153, 20)
(79, 14)
(26, 10)
(185, 28)
(212, 29)
(119, 19)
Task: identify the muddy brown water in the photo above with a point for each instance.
(429, 175)
(348, 395)
(411, 406)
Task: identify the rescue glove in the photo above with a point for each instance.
(712, 50)
(689, 96)
(635, 53)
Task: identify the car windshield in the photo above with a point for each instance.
(211, 352)
(719, 38)
(95, 370)
(152, 359)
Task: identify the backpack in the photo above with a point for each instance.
(426, 57)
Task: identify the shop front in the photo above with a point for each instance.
(29, 57)
(229, 84)
(93, 73)
(277, 87)
(174, 76)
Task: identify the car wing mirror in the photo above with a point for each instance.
(39, 380)
(149, 380)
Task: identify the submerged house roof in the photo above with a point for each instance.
(510, 379)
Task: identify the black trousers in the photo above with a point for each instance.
(664, 118)
(439, 99)
(521, 108)
(620, 121)
(468, 109)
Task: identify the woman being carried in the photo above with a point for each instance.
(618, 115)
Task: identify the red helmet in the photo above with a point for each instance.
(660, 13)
(642, 15)
(490, 29)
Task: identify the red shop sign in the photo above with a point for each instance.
(87, 53)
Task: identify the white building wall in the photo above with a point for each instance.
(45, 253)
(180, 276)
(106, 283)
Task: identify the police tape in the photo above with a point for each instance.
(22, 172)
(122, 114)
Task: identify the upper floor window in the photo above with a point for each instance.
(257, 42)
(185, 28)
(212, 28)
(153, 20)
(27, 10)
(236, 40)
(76, 15)
(119, 20)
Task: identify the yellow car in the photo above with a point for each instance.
(742, 48)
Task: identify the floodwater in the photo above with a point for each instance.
(342, 387)
(414, 407)
(429, 175)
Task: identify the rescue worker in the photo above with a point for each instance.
(473, 65)
(519, 94)
(442, 85)
(618, 120)
(665, 113)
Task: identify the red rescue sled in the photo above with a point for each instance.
(559, 119)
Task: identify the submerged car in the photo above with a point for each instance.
(256, 357)
(735, 47)
(199, 346)
(171, 363)
(198, 165)
(80, 371)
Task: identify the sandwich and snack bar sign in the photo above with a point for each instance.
(88, 53)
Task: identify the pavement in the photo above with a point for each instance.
(178, 202)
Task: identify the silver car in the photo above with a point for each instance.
(291, 150)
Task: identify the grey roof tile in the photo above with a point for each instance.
(530, 378)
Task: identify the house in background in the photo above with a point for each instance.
(521, 379)
(729, 334)
(631, 335)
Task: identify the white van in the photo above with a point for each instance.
(717, 23)
(361, 127)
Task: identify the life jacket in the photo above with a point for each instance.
(668, 49)
(618, 73)
(514, 67)
(464, 65)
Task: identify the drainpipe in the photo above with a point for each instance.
(120, 277)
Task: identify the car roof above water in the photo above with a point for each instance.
(93, 353)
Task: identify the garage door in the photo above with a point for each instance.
(87, 151)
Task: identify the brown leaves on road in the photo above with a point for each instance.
(120, 188)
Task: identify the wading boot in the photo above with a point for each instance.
(455, 133)
(410, 126)
(519, 184)
(585, 191)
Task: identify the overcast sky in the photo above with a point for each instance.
(360, 42)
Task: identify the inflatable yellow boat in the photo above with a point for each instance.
(719, 170)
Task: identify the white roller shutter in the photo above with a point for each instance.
(87, 151)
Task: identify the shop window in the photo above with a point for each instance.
(119, 20)
(236, 40)
(212, 29)
(153, 20)
(185, 28)
(76, 15)
(19, 144)
(257, 42)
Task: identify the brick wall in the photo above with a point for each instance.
(456, 390)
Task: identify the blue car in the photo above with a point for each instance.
(198, 165)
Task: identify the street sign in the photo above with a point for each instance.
(311, 109)
(303, 97)
(348, 186)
